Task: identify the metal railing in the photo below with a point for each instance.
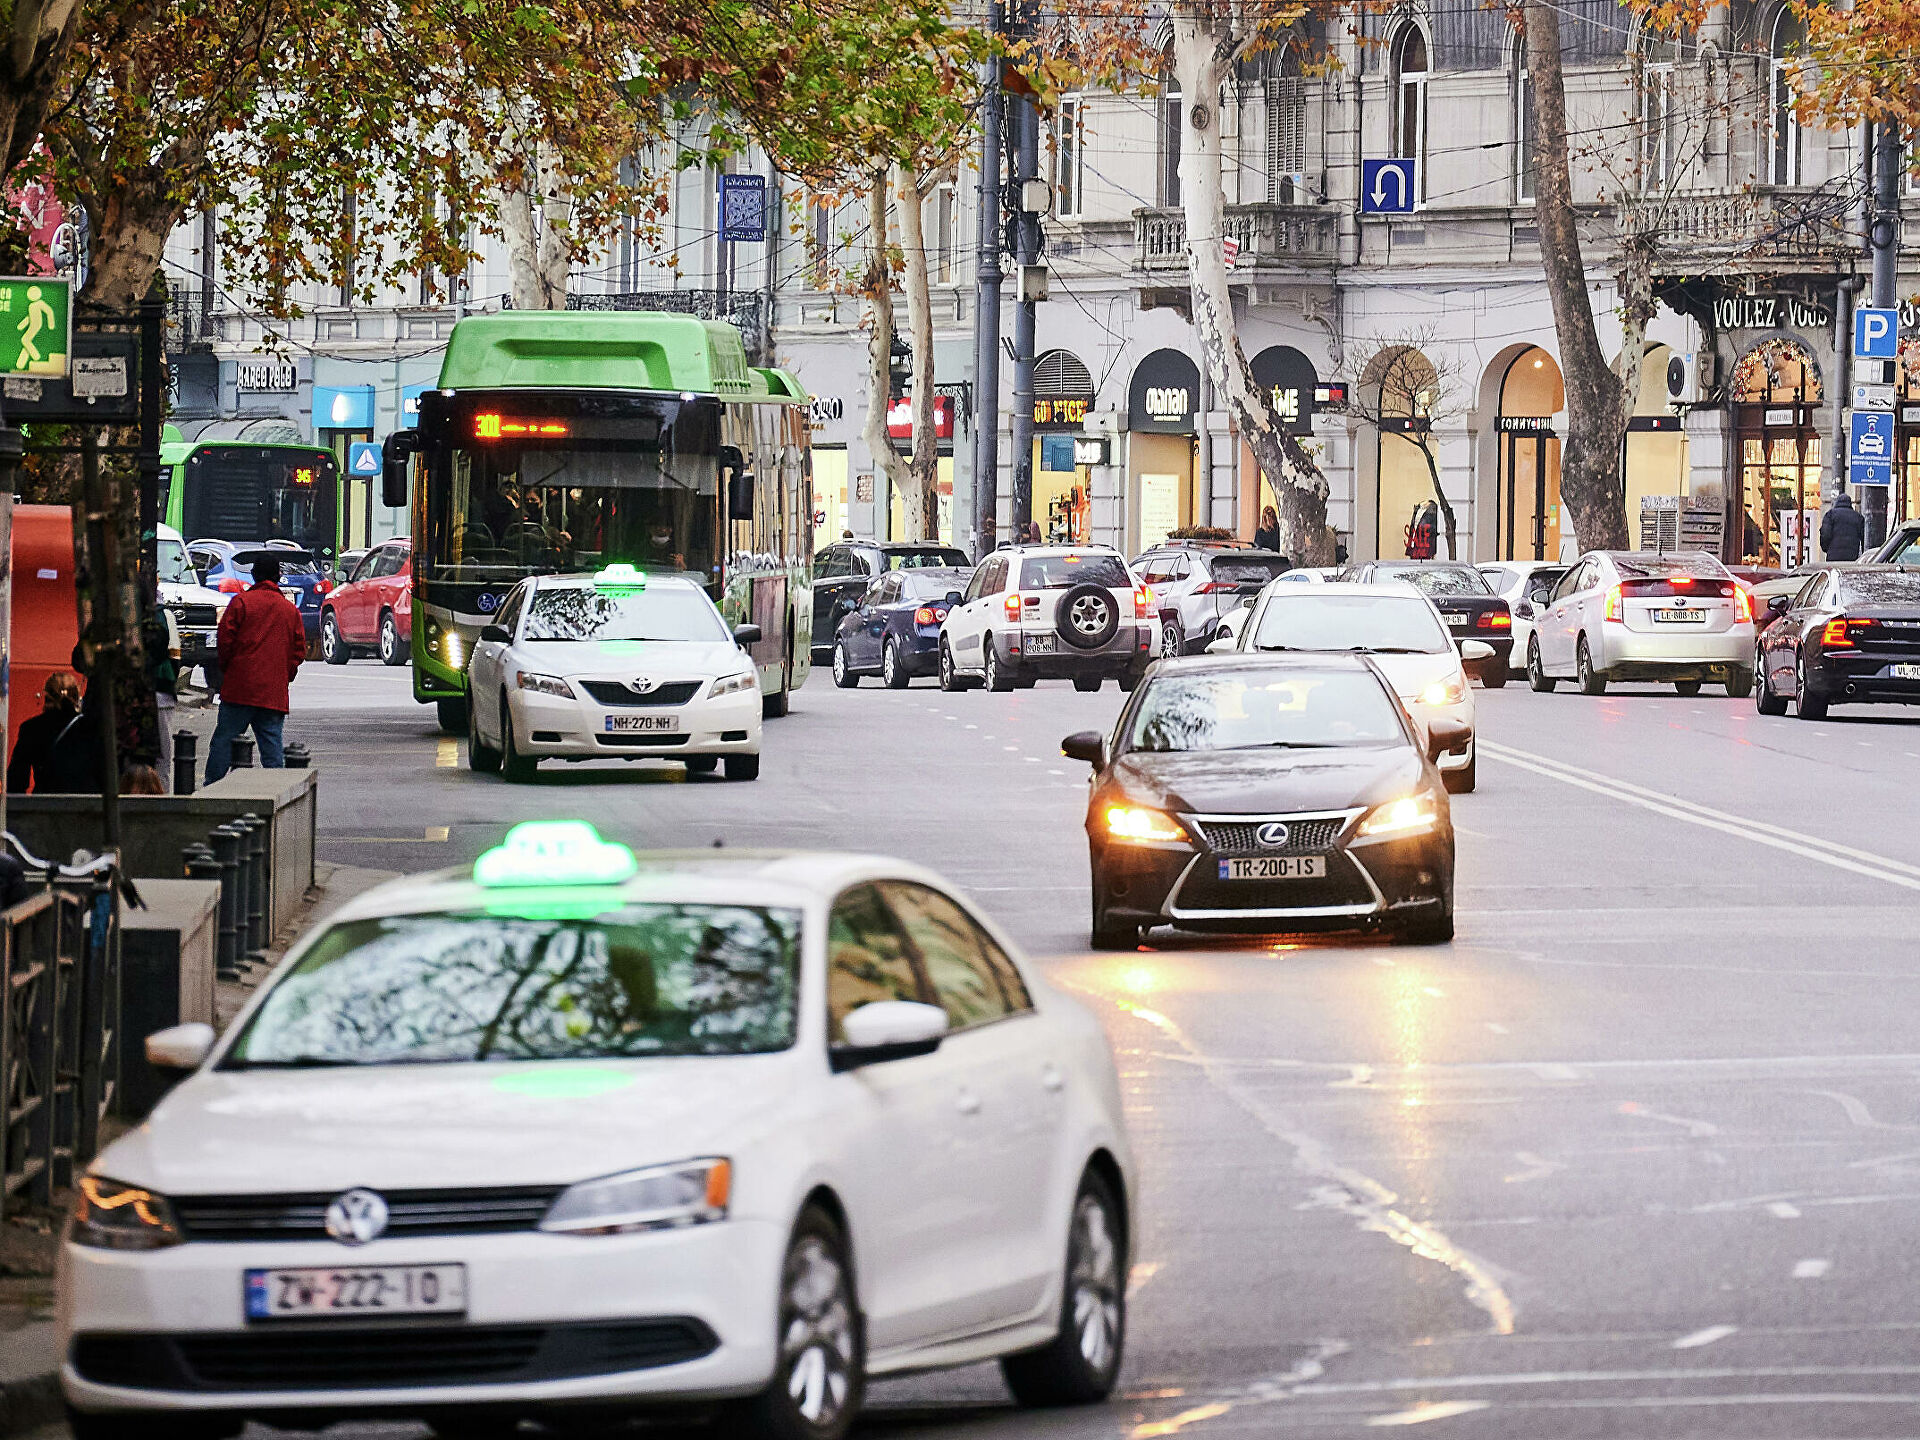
(745, 309)
(1746, 225)
(59, 1023)
(1284, 235)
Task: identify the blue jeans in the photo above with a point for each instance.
(235, 720)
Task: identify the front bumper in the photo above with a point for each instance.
(166, 1329)
(1370, 884)
(1639, 655)
(1129, 649)
(548, 725)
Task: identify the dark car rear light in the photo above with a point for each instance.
(1842, 633)
(1501, 619)
(928, 615)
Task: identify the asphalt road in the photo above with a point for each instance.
(1637, 1155)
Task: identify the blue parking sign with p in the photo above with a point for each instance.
(1876, 334)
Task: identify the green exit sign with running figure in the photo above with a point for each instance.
(36, 325)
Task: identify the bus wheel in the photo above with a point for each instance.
(773, 706)
(453, 714)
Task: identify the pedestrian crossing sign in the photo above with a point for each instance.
(36, 325)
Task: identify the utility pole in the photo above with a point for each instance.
(1026, 167)
(986, 306)
(1883, 236)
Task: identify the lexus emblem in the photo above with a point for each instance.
(1273, 834)
(357, 1217)
(643, 684)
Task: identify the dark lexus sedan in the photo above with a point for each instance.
(1464, 599)
(895, 630)
(1847, 636)
(1281, 793)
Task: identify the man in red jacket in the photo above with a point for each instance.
(262, 643)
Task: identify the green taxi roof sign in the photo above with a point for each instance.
(554, 852)
(619, 579)
(36, 325)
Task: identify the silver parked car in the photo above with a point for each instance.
(1525, 586)
(1198, 583)
(1677, 617)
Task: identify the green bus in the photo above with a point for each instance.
(564, 441)
(248, 490)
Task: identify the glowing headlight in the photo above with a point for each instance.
(110, 1216)
(1443, 692)
(694, 1192)
(1133, 822)
(454, 657)
(1409, 815)
(734, 684)
(543, 684)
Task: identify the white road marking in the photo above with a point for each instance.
(1781, 1210)
(1555, 1072)
(447, 755)
(1811, 1269)
(1497, 1028)
(1538, 1167)
(1434, 990)
(1704, 1337)
(1436, 1410)
(1699, 1129)
(1665, 1375)
(1857, 1111)
(1056, 772)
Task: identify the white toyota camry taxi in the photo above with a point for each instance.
(584, 1129)
(618, 665)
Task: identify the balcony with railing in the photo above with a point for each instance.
(1760, 227)
(1271, 237)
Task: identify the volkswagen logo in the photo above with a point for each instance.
(643, 684)
(357, 1217)
(1273, 834)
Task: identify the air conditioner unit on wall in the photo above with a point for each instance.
(1690, 377)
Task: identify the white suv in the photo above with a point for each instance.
(1043, 612)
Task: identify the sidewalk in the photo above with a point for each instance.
(29, 1357)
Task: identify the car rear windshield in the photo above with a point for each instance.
(1540, 583)
(1384, 624)
(1442, 581)
(1684, 562)
(937, 557)
(1063, 572)
(1879, 588)
(935, 584)
(1254, 710)
(660, 612)
(637, 980)
(1247, 571)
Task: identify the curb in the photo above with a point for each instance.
(30, 1402)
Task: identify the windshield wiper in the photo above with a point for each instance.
(1389, 650)
(294, 1062)
(1287, 745)
(1284, 649)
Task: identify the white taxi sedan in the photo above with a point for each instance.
(586, 1128)
(619, 665)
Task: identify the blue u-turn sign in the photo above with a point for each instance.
(1388, 187)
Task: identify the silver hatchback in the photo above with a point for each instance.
(1674, 617)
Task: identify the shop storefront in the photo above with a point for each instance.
(1292, 386)
(1527, 502)
(826, 424)
(900, 431)
(1773, 512)
(1062, 396)
(1163, 402)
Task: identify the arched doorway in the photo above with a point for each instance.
(1527, 501)
(1775, 393)
(1062, 395)
(1401, 387)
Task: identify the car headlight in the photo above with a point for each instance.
(110, 1216)
(1409, 815)
(694, 1192)
(543, 684)
(1136, 822)
(734, 684)
(1443, 692)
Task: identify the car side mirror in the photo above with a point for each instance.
(1524, 610)
(745, 635)
(1444, 735)
(1223, 644)
(182, 1047)
(401, 447)
(954, 597)
(1779, 604)
(733, 465)
(498, 633)
(1475, 650)
(883, 1030)
(1087, 745)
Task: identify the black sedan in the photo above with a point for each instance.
(843, 571)
(1847, 636)
(895, 629)
(1464, 599)
(1269, 794)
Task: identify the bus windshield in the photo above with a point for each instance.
(637, 483)
(258, 492)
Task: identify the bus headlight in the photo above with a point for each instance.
(734, 684)
(543, 684)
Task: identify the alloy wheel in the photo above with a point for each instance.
(1094, 1278)
(817, 1343)
(1089, 614)
(890, 672)
(1170, 639)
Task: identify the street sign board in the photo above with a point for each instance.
(1091, 450)
(36, 325)
(363, 458)
(743, 208)
(1876, 334)
(103, 384)
(1873, 397)
(1875, 372)
(1387, 187)
(1870, 447)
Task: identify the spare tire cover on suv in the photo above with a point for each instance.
(1088, 617)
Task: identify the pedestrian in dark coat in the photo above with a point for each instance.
(1843, 531)
(262, 643)
(27, 767)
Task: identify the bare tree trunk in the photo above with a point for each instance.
(522, 245)
(556, 232)
(1203, 55)
(1591, 484)
(1449, 526)
(40, 34)
(923, 484)
(878, 284)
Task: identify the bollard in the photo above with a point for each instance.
(199, 862)
(298, 757)
(253, 935)
(243, 752)
(226, 841)
(186, 746)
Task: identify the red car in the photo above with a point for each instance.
(373, 610)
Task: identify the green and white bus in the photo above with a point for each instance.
(248, 490)
(563, 441)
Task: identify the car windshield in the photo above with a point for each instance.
(637, 980)
(1441, 580)
(1385, 624)
(1540, 583)
(1247, 570)
(1063, 572)
(173, 564)
(660, 612)
(934, 584)
(941, 557)
(1257, 710)
(1879, 588)
(1685, 562)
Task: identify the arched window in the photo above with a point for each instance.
(1286, 128)
(1658, 121)
(1789, 39)
(1410, 72)
(1172, 124)
(1523, 148)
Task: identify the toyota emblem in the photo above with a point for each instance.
(357, 1217)
(643, 684)
(1273, 834)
